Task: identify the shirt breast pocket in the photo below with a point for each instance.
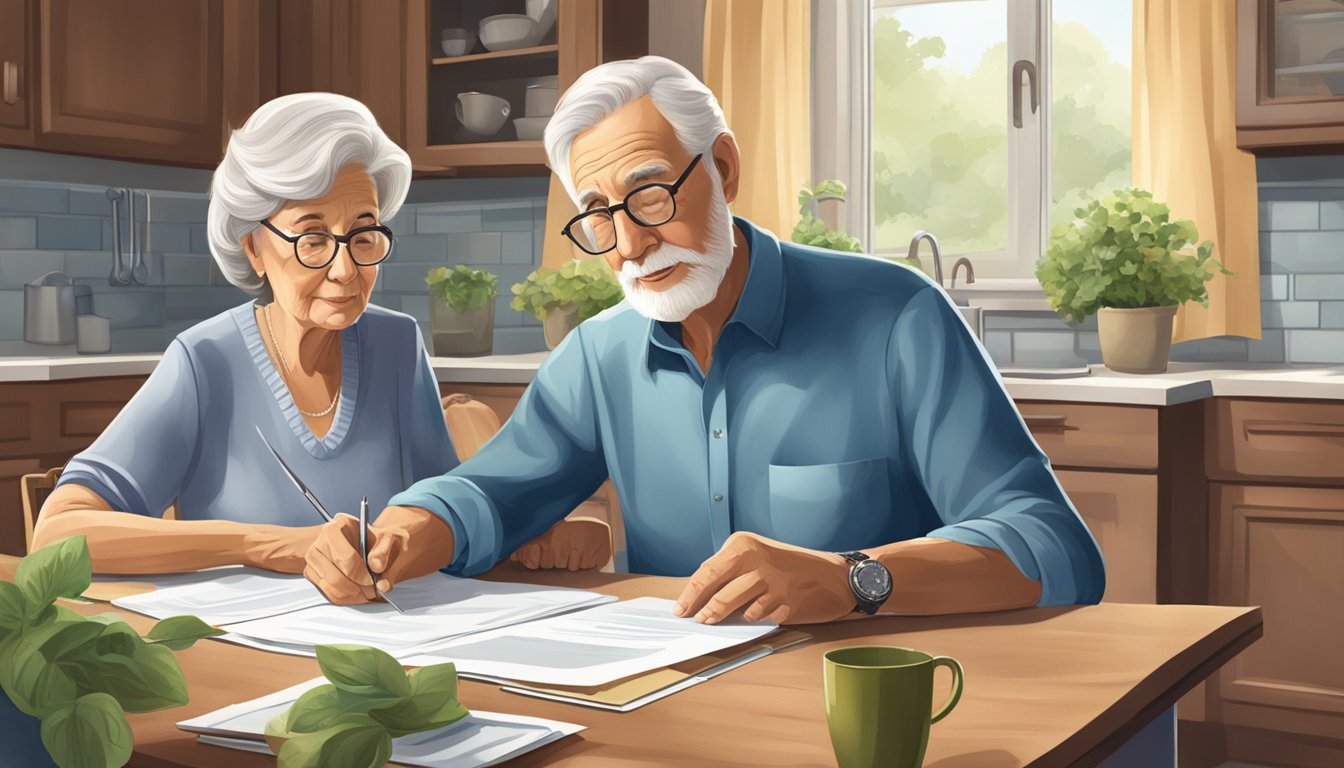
(829, 506)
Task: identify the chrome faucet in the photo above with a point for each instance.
(937, 254)
(970, 272)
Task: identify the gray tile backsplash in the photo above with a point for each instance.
(51, 222)
(1301, 284)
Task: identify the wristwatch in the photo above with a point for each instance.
(870, 581)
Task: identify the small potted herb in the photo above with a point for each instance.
(562, 298)
(1123, 259)
(69, 680)
(811, 230)
(461, 310)
(369, 700)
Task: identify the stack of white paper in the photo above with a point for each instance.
(287, 614)
(590, 647)
(477, 740)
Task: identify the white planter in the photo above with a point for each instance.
(470, 334)
(558, 323)
(1135, 340)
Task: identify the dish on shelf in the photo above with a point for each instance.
(480, 112)
(457, 41)
(530, 128)
(540, 100)
(509, 31)
(545, 81)
(543, 13)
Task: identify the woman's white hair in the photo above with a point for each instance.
(680, 97)
(291, 148)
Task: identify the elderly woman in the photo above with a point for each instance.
(341, 389)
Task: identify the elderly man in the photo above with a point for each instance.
(807, 434)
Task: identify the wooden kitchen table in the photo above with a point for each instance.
(1044, 687)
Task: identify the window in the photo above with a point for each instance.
(948, 156)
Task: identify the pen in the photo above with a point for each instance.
(293, 478)
(364, 550)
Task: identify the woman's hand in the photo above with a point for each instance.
(576, 544)
(279, 548)
(334, 565)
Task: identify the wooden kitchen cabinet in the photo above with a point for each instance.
(1290, 76)
(42, 425)
(1135, 475)
(16, 73)
(1277, 539)
(586, 33)
(350, 47)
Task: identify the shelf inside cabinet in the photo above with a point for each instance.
(540, 50)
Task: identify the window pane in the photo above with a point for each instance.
(1091, 95)
(940, 126)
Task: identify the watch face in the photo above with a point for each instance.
(872, 580)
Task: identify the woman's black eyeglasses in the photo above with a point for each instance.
(648, 206)
(315, 250)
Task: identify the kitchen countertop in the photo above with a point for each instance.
(1183, 382)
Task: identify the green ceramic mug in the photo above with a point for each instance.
(878, 700)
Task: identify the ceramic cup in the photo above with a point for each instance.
(540, 101)
(480, 112)
(878, 700)
(93, 334)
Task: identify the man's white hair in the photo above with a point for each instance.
(680, 97)
(291, 148)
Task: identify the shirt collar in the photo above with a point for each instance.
(760, 308)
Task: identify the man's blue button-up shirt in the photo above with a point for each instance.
(847, 406)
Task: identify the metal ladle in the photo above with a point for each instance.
(120, 274)
(140, 271)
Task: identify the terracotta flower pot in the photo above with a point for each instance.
(456, 334)
(1135, 340)
(558, 323)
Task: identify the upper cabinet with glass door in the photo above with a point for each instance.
(1290, 76)
(483, 76)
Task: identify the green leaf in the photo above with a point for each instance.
(60, 569)
(117, 638)
(146, 681)
(432, 704)
(180, 632)
(13, 607)
(323, 707)
(348, 745)
(35, 685)
(70, 637)
(91, 732)
(365, 671)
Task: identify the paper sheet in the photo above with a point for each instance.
(590, 647)
(224, 596)
(480, 739)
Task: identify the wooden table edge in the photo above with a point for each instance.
(1244, 630)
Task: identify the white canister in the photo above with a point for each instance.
(93, 334)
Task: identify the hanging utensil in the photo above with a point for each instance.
(139, 270)
(119, 275)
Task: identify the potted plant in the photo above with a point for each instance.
(1123, 259)
(461, 310)
(68, 679)
(562, 298)
(811, 230)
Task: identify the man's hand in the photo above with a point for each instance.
(771, 580)
(577, 544)
(408, 542)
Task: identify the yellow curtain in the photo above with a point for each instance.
(1185, 150)
(757, 61)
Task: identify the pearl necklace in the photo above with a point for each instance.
(266, 313)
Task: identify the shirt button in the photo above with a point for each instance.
(718, 433)
(718, 497)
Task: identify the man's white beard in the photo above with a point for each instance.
(704, 269)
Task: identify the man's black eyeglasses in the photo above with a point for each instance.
(367, 245)
(648, 206)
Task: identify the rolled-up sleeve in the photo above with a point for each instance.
(140, 460)
(986, 477)
(544, 461)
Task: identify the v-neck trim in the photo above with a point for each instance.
(326, 446)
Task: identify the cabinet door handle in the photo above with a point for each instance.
(11, 88)
(1293, 429)
(1046, 421)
